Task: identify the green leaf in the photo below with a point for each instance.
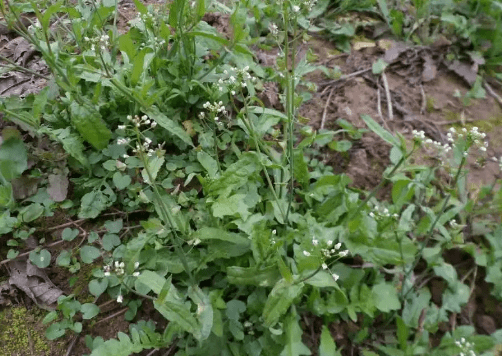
(51, 316)
(69, 234)
(379, 66)
(172, 127)
(212, 233)
(209, 163)
(127, 45)
(279, 300)
(13, 158)
(379, 130)
(385, 297)
(54, 331)
(92, 204)
(71, 142)
(231, 206)
(154, 164)
(89, 253)
(293, 338)
(89, 310)
(90, 126)
(31, 212)
(340, 146)
(403, 333)
(97, 287)
(121, 181)
(64, 258)
(110, 241)
(264, 277)
(301, 169)
(327, 345)
(138, 66)
(40, 259)
(115, 226)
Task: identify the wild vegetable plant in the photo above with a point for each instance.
(244, 234)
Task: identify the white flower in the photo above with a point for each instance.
(136, 274)
(315, 242)
(121, 127)
(335, 277)
(344, 253)
(306, 253)
(274, 232)
(296, 8)
(153, 124)
(136, 265)
(338, 245)
(324, 266)
(120, 298)
(107, 274)
(330, 242)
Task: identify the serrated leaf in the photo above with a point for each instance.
(279, 300)
(90, 125)
(293, 338)
(172, 127)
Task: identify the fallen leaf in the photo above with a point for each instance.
(58, 187)
(430, 69)
(35, 283)
(464, 70)
(393, 53)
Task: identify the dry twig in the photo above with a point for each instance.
(389, 98)
(492, 92)
(326, 108)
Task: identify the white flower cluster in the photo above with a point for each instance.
(214, 109)
(153, 42)
(118, 268)
(472, 137)
(101, 42)
(138, 121)
(381, 213)
(466, 347)
(418, 135)
(274, 30)
(235, 80)
(145, 147)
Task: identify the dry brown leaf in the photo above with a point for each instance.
(430, 69)
(58, 187)
(35, 283)
(465, 71)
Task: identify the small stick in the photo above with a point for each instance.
(112, 316)
(387, 93)
(379, 106)
(344, 77)
(490, 91)
(152, 352)
(423, 107)
(323, 121)
(73, 343)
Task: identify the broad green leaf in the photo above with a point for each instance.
(64, 258)
(154, 164)
(327, 345)
(13, 159)
(231, 206)
(121, 181)
(379, 66)
(279, 300)
(293, 338)
(204, 311)
(212, 233)
(209, 163)
(340, 146)
(385, 297)
(89, 253)
(379, 130)
(71, 142)
(301, 170)
(54, 331)
(263, 277)
(402, 333)
(171, 126)
(90, 125)
(97, 287)
(92, 204)
(138, 66)
(154, 281)
(31, 212)
(89, 310)
(40, 259)
(69, 234)
(110, 241)
(6, 200)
